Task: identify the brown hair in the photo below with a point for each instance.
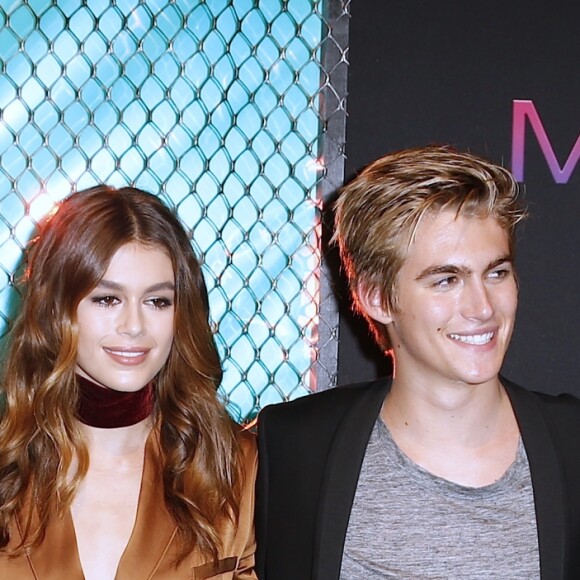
(377, 214)
(40, 442)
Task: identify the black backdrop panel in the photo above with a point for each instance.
(449, 72)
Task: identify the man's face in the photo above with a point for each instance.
(456, 302)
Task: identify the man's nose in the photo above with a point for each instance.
(476, 301)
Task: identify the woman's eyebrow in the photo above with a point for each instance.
(110, 285)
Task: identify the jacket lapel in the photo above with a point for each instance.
(57, 556)
(547, 481)
(154, 530)
(341, 475)
(148, 549)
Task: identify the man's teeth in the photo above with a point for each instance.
(473, 338)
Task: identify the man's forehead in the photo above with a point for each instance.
(448, 238)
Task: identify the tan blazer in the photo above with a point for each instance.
(151, 548)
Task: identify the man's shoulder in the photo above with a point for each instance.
(563, 409)
(318, 415)
(562, 401)
(301, 431)
(328, 401)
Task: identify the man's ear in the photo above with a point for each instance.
(371, 302)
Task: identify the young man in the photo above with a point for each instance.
(447, 470)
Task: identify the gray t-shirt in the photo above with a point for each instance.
(407, 523)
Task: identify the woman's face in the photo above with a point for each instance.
(125, 324)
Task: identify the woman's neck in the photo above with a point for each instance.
(118, 448)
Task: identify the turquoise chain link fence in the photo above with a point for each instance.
(228, 110)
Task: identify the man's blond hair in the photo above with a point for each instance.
(377, 214)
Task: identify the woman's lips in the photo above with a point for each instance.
(128, 357)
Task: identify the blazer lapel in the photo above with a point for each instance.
(343, 466)
(57, 556)
(154, 530)
(547, 481)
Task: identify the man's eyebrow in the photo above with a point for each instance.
(110, 285)
(507, 259)
(460, 270)
(442, 269)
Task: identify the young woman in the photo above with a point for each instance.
(117, 459)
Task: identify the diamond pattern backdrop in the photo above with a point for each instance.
(218, 106)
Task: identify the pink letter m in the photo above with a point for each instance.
(526, 109)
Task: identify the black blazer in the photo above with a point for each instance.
(311, 451)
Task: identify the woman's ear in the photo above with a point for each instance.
(371, 302)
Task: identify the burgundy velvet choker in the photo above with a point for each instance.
(109, 409)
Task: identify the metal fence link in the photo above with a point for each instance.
(221, 107)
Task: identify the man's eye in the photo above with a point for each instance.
(500, 274)
(444, 283)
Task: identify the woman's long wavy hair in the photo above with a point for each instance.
(42, 453)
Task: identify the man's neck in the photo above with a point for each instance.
(464, 433)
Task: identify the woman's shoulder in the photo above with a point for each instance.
(247, 442)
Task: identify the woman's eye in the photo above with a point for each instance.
(160, 302)
(105, 300)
